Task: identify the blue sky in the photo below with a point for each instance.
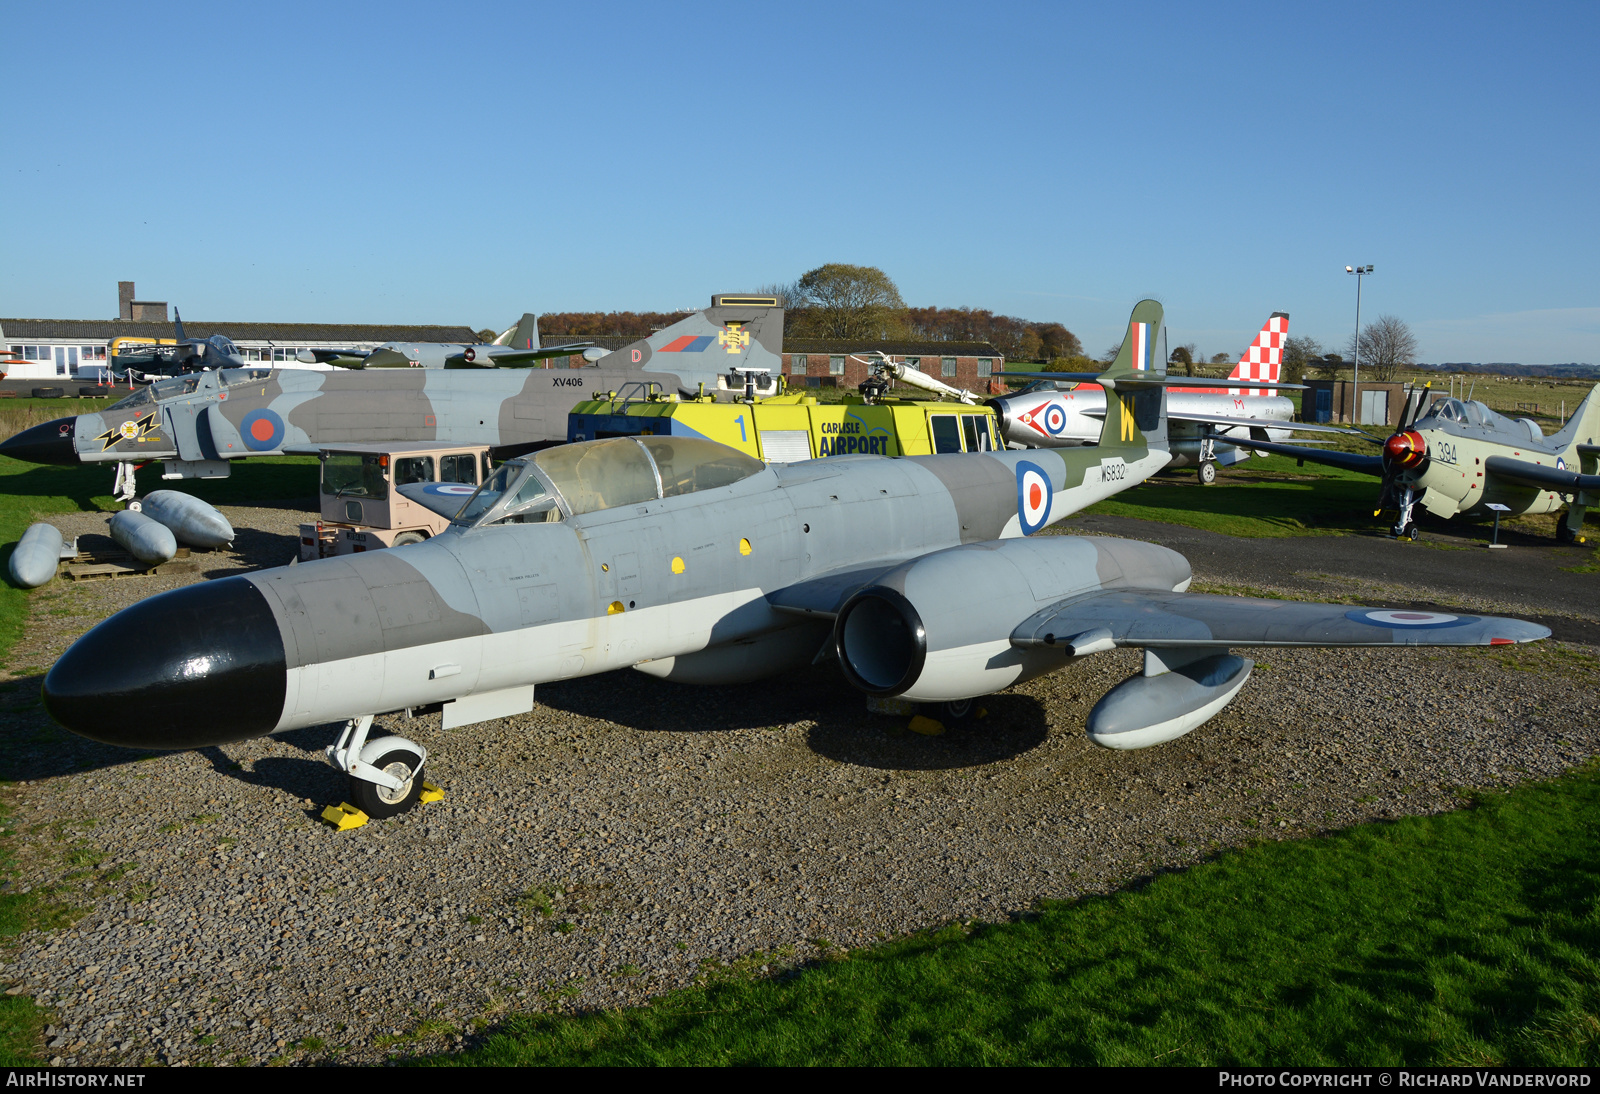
(465, 163)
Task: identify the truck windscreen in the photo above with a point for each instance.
(349, 475)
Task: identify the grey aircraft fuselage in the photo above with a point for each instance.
(198, 422)
(693, 562)
(1044, 416)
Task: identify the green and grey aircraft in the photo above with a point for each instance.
(200, 422)
(516, 347)
(1459, 458)
(693, 562)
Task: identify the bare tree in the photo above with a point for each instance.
(790, 298)
(1386, 344)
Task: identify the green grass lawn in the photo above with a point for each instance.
(1471, 938)
(1272, 497)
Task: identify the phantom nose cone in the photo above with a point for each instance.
(48, 442)
(201, 665)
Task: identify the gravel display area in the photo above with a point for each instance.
(629, 832)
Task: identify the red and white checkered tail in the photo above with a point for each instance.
(1263, 359)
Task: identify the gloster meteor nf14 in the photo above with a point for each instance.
(690, 561)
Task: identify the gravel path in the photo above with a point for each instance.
(629, 832)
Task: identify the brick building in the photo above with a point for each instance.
(976, 366)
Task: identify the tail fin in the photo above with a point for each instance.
(1264, 359)
(1136, 412)
(177, 321)
(1584, 425)
(525, 335)
(737, 331)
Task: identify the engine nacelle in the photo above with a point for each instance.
(1179, 689)
(939, 628)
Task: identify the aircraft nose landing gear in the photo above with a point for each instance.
(1208, 460)
(385, 774)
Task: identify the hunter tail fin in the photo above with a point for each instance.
(1136, 409)
(1263, 361)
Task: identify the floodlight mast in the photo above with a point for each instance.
(1355, 392)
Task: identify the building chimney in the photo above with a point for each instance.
(124, 299)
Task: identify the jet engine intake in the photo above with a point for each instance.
(939, 628)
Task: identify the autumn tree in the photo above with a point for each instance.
(843, 301)
(1183, 355)
(1386, 344)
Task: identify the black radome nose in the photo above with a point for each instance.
(48, 442)
(202, 665)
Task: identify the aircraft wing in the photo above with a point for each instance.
(1350, 461)
(824, 595)
(1164, 379)
(444, 498)
(497, 357)
(386, 358)
(344, 358)
(1540, 476)
(1128, 617)
(1259, 423)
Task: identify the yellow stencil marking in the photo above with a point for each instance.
(744, 546)
(677, 565)
(615, 608)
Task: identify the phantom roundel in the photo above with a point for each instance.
(262, 430)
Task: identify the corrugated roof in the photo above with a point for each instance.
(894, 349)
(286, 333)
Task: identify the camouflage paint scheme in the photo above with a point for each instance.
(199, 421)
(919, 574)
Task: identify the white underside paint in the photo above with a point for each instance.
(377, 682)
(961, 673)
(1173, 728)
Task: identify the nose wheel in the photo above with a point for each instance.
(378, 801)
(385, 774)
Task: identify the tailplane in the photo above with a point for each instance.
(1263, 361)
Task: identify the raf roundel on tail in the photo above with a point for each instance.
(1033, 497)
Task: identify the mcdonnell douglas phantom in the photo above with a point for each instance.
(196, 424)
(693, 562)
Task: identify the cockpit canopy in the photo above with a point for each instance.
(593, 475)
(1461, 412)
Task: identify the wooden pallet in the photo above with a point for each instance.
(89, 565)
